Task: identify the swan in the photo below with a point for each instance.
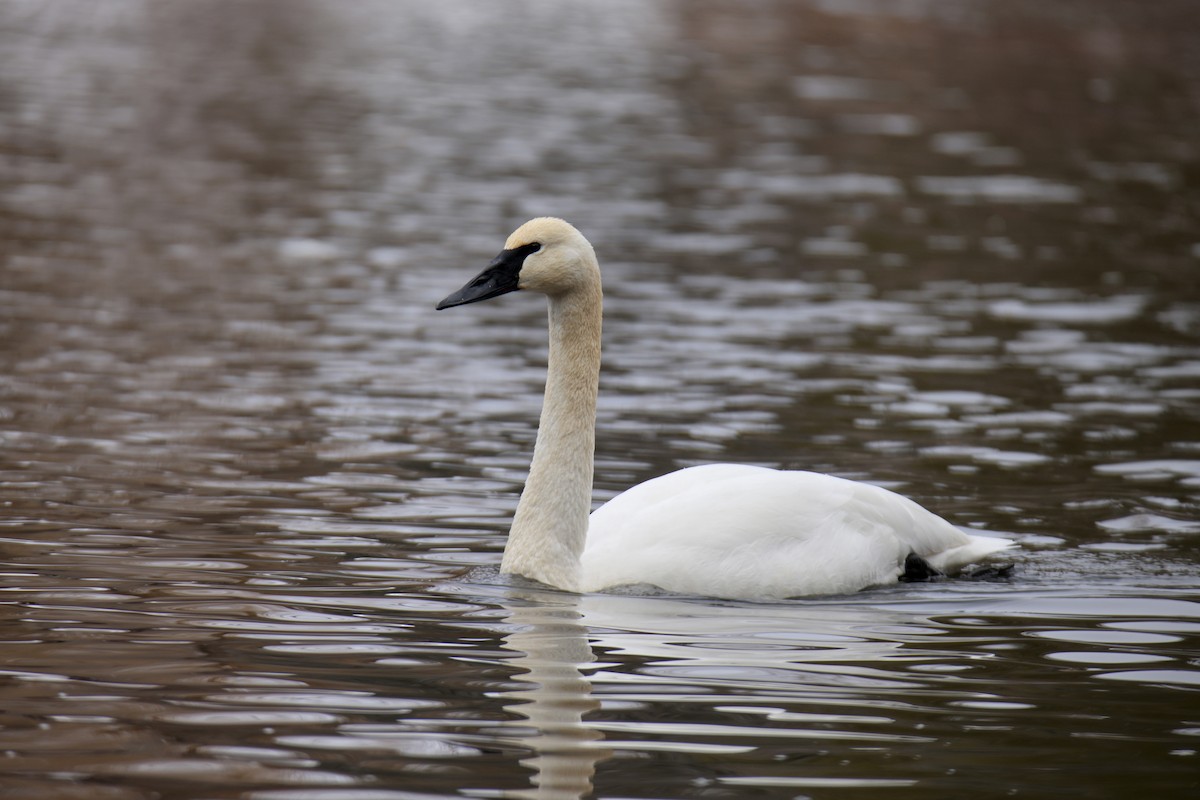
(727, 531)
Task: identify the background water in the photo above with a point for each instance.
(254, 488)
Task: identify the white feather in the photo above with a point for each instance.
(728, 530)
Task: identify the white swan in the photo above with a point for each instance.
(720, 530)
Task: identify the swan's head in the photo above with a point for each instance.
(544, 255)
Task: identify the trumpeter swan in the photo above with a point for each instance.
(719, 530)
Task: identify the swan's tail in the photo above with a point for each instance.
(975, 549)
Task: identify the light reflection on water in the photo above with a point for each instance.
(254, 489)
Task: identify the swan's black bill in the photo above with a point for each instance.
(499, 277)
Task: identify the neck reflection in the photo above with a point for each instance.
(553, 646)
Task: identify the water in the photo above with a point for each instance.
(255, 489)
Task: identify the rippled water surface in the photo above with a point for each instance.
(255, 489)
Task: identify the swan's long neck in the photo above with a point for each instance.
(550, 527)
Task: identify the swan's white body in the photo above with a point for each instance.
(729, 530)
(719, 530)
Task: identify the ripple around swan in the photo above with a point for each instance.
(1161, 677)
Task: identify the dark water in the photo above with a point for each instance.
(254, 488)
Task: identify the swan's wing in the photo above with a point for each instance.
(735, 531)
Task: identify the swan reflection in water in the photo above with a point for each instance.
(817, 674)
(553, 647)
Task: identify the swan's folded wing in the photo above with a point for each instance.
(728, 530)
(944, 546)
(734, 531)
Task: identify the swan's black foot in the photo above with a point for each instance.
(918, 570)
(990, 572)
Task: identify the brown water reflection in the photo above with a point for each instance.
(946, 246)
